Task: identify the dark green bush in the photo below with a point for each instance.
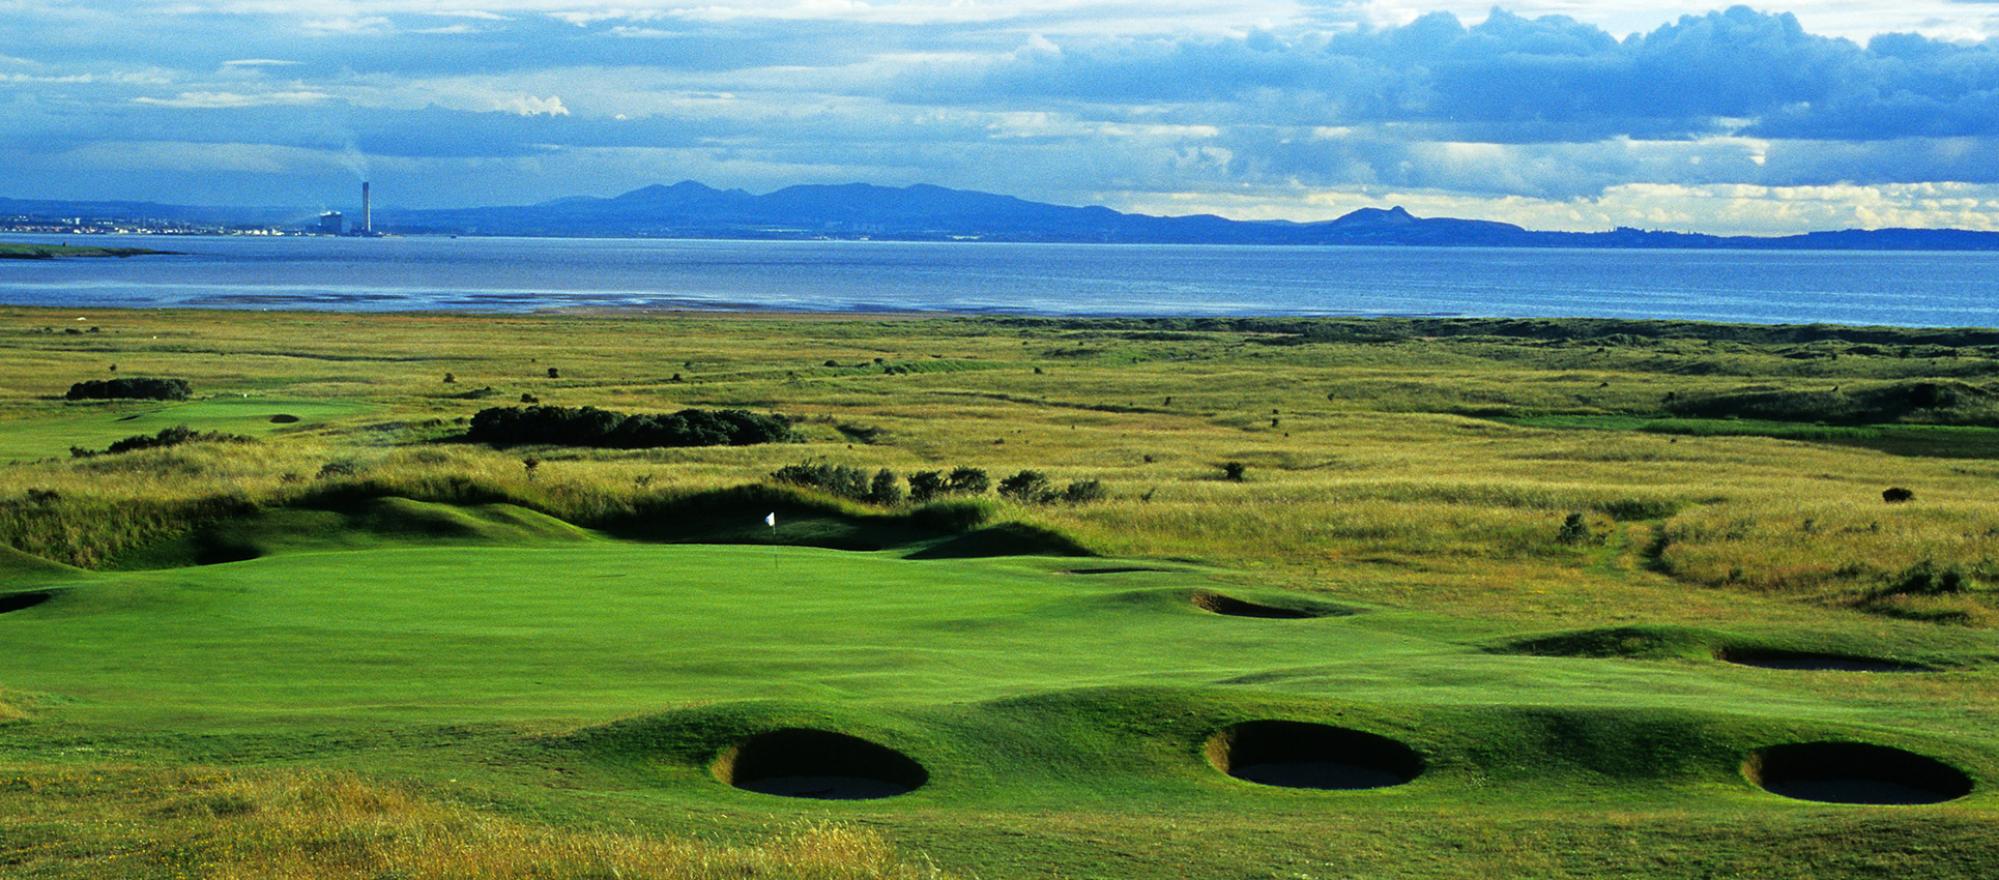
(845, 481)
(135, 388)
(1234, 471)
(1575, 530)
(1926, 578)
(926, 485)
(173, 436)
(967, 481)
(1027, 487)
(885, 489)
(589, 426)
(1085, 491)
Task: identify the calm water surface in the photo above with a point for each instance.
(527, 274)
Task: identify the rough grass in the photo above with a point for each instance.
(129, 822)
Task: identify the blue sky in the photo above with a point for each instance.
(1550, 113)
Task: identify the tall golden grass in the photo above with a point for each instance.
(319, 825)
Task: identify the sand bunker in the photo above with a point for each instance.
(1800, 660)
(18, 601)
(1298, 754)
(1233, 607)
(1854, 773)
(804, 763)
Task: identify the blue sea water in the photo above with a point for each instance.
(530, 274)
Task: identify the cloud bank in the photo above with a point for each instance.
(1732, 120)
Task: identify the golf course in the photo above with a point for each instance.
(761, 595)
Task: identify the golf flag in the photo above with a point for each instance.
(770, 519)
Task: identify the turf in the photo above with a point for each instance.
(360, 647)
(1024, 689)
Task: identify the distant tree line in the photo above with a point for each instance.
(135, 388)
(589, 426)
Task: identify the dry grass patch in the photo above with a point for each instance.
(223, 825)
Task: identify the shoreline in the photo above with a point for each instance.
(1976, 336)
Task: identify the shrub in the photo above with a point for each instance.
(845, 481)
(1575, 530)
(1027, 487)
(926, 485)
(173, 436)
(1234, 471)
(1085, 491)
(967, 481)
(885, 489)
(554, 373)
(1928, 579)
(449, 378)
(1897, 495)
(333, 469)
(589, 426)
(134, 388)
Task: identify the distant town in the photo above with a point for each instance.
(326, 223)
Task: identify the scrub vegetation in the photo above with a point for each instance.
(1052, 598)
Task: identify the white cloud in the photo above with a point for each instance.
(529, 105)
(227, 100)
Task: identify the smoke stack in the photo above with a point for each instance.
(367, 210)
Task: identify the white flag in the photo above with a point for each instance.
(770, 519)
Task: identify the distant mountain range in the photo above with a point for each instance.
(932, 213)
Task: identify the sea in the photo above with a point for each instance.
(513, 275)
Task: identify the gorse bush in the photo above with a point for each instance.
(1085, 491)
(589, 426)
(885, 489)
(1575, 530)
(135, 388)
(1027, 487)
(1927, 578)
(843, 480)
(926, 485)
(174, 436)
(967, 481)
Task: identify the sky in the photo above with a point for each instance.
(1555, 114)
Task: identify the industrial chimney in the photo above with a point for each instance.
(367, 211)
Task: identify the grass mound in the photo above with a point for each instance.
(1942, 402)
(1299, 754)
(1768, 658)
(12, 602)
(1636, 642)
(1005, 539)
(1229, 606)
(17, 567)
(351, 523)
(818, 764)
(1842, 654)
(1854, 773)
